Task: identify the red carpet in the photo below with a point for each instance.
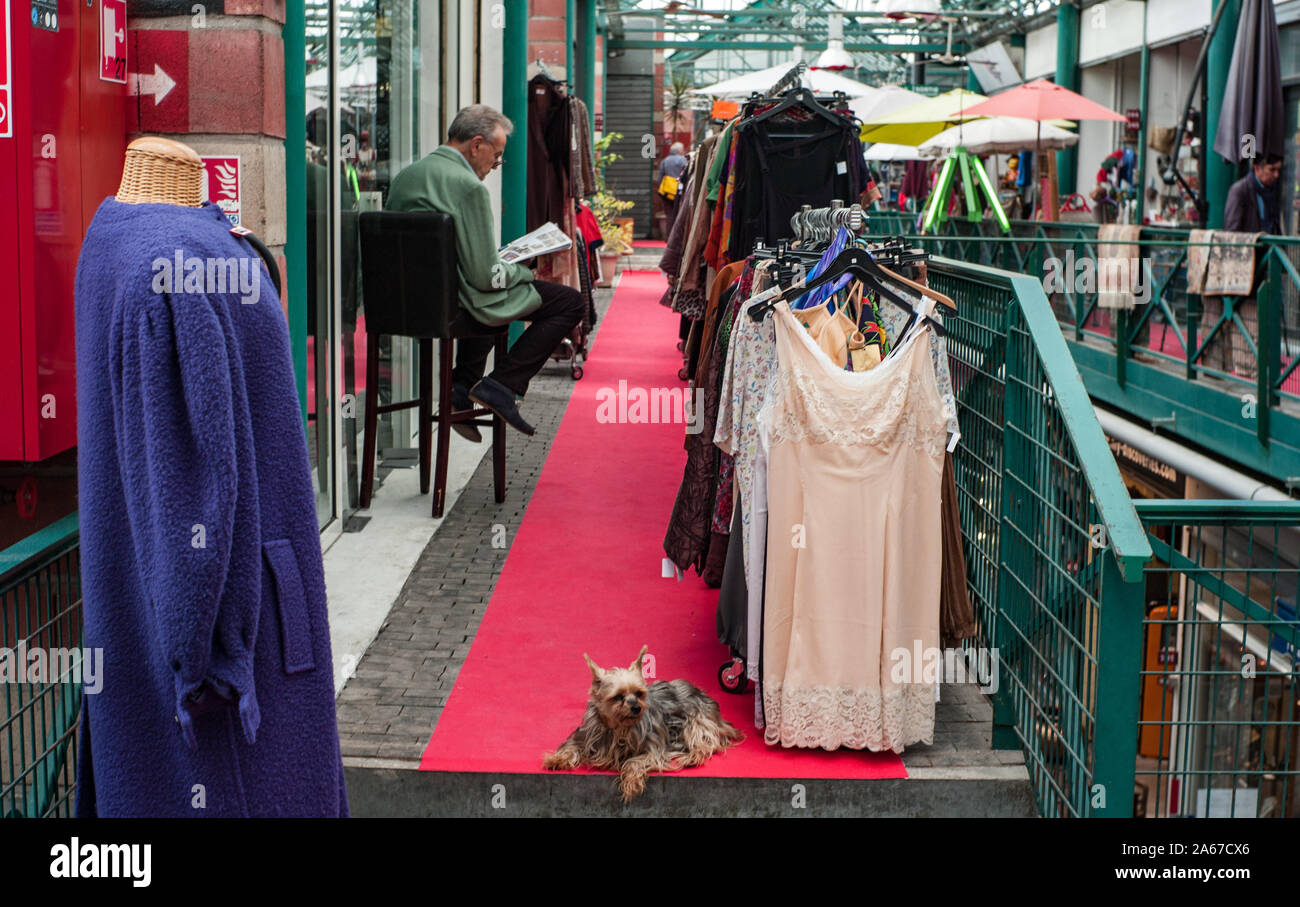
(584, 575)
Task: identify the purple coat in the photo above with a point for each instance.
(201, 565)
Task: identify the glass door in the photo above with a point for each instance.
(320, 245)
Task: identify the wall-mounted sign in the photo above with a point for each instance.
(223, 185)
(1132, 118)
(6, 114)
(1159, 476)
(112, 41)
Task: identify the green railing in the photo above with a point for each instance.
(1219, 729)
(1054, 548)
(1242, 356)
(40, 625)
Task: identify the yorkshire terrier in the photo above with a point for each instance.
(635, 729)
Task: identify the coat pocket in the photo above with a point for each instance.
(291, 602)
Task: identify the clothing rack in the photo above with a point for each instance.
(813, 224)
(792, 79)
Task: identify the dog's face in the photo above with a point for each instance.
(618, 694)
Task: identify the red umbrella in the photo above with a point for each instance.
(1042, 100)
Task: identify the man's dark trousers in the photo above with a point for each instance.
(561, 309)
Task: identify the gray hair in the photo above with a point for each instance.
(478, 120)
(677, 148)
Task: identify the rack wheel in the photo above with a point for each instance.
(577, 373)
(681, 346)
(731, 676)
(681, 373)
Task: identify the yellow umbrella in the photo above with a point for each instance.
(923, 120)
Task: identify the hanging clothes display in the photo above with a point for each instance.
(851, 456)
(834, 532)
(561, 172)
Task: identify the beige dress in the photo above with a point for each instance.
(854, 546)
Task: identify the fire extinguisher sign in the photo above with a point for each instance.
(6, 76)
(112, 41)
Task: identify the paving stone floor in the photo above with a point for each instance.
(389, 708)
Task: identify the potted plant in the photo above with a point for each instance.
(616, 237)
(608, 210)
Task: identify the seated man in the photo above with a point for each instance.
(495, 293)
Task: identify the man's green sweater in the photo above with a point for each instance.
(493, 291)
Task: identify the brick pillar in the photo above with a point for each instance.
(212, 76)
(546, 28)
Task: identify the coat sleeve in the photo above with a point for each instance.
(1234, 211)
(475, 247)
(179, 419)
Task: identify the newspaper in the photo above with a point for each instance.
(545, 239)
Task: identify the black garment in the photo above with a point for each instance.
(781, 166)
(1246, 197)
(561, 310)
(732, 618)
(549, 131)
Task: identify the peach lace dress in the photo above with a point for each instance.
(854, 546)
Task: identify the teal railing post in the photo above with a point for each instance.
(1268, 345)
(1144, 77)
(1067, 76)
(295, 190)
(1004, 733)
(514, 104)
(1219, 174)
(1119, 676)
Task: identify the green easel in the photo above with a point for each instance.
(974, 180)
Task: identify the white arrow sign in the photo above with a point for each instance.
(158, 84)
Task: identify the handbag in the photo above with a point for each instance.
(668, 187)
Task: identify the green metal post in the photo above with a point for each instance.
(1067, 76)
(570, 51)
(972, 83)
(1268, 364)
(1219, 174)
(587, 85)
(514, 104)
(1119, 687)
(294, 35)
(1140, 179)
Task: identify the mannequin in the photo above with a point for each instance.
(161, 171)
(202, 579)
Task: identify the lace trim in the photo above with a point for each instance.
(889, 414)
(859, 719)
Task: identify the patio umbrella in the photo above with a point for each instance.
(883, 100)
(820, 81)
(913, 124)
(1042, 100)
(1252, 101)
(998, 135)
(888, 151)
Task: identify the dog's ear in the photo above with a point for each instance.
(640, 656)
(597, 672)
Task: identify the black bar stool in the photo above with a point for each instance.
(408, 272)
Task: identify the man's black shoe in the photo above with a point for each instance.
(501, 400)
(459, 402)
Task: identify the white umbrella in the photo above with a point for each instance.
(998, 135)
(888, 151)
(821, 81)
(883, 100)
